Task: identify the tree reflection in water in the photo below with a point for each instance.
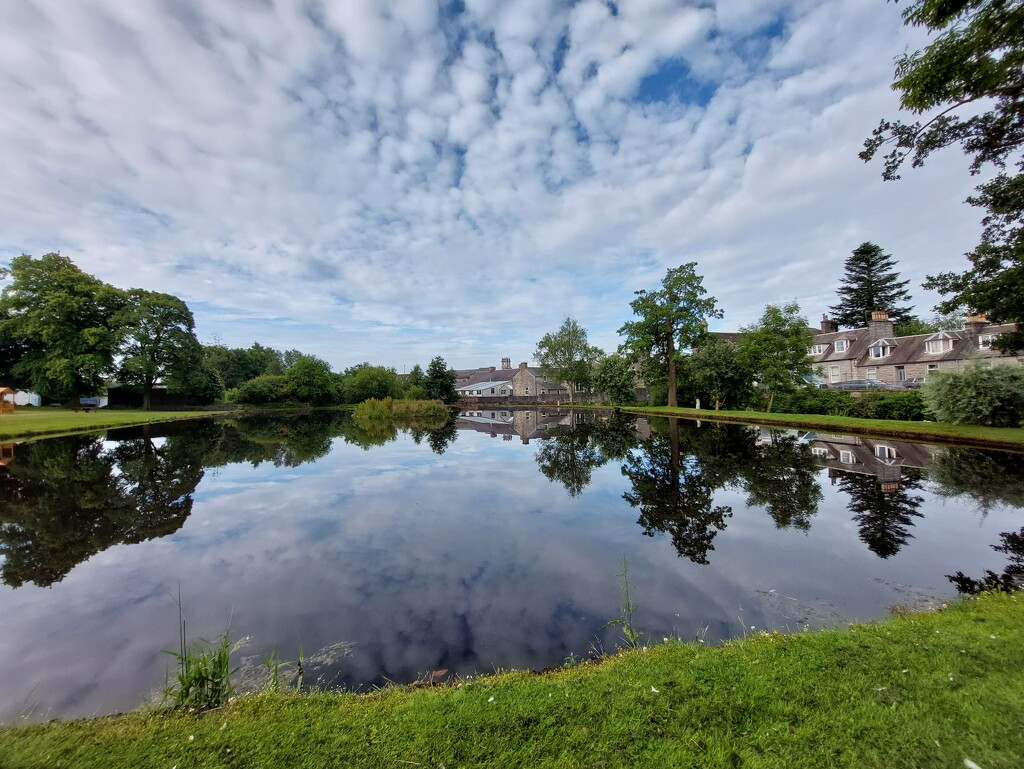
(65, 499)
(677, 469)
(884, 514)
(989, 478)
(676, 496)
(1012, 577)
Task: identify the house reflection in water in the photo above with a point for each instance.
(884, 459)
(527, 424)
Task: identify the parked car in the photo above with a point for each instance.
(814, 380)
(914, 382)
(864, 384)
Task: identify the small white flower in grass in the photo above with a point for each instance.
(490, 699)
(970, 764)
(655, 690)
(906, 670)
(191, 737)
(992, 637)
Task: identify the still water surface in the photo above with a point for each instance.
(493, 542)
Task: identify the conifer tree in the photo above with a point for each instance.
(870, 283)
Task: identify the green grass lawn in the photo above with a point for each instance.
(969, 435)
(28, 421)
(932, 689)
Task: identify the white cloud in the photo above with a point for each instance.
(331, 176)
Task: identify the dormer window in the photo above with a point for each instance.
(885, 452)
(842, 345)
(880, 349)
(941, 342)
(818, 349)
(985, 341)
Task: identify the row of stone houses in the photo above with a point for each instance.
(874, 352)
(871, 352)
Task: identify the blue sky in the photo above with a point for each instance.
(389, 181)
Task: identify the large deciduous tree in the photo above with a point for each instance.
(719, 374)
(565, 356)
(439, 381)
(671, 318)
(870, 282)
(775, 349)
(158, 343)
(311, 381)
(970, 83)
(365, 381)
(58, 327)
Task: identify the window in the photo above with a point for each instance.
(885, 452)
(818, 349)
(985, 341)
(846, 457)
(879, 351)
(933, 346)
(833, 373)
(933, 367)
(872, 374)
(492, 391)
(901, 373)
(842, 345)
(818, 451)
(503, 391)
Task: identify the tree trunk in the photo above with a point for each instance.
(673, 437)
(671, 370)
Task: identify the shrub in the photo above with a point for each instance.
(263, 389)
(414, 393)
(908, 406)
(815, 401)
(978, 396)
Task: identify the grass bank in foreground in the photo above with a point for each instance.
(920, 689)
(1011, 438)
(30, 422)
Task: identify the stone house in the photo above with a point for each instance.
(506, 381)
(875, 352)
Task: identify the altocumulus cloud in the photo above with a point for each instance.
(391, 181)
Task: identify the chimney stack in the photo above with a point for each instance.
(879, 327)
(976, 322)
(828, 326)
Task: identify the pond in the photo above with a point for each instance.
(497, 541)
